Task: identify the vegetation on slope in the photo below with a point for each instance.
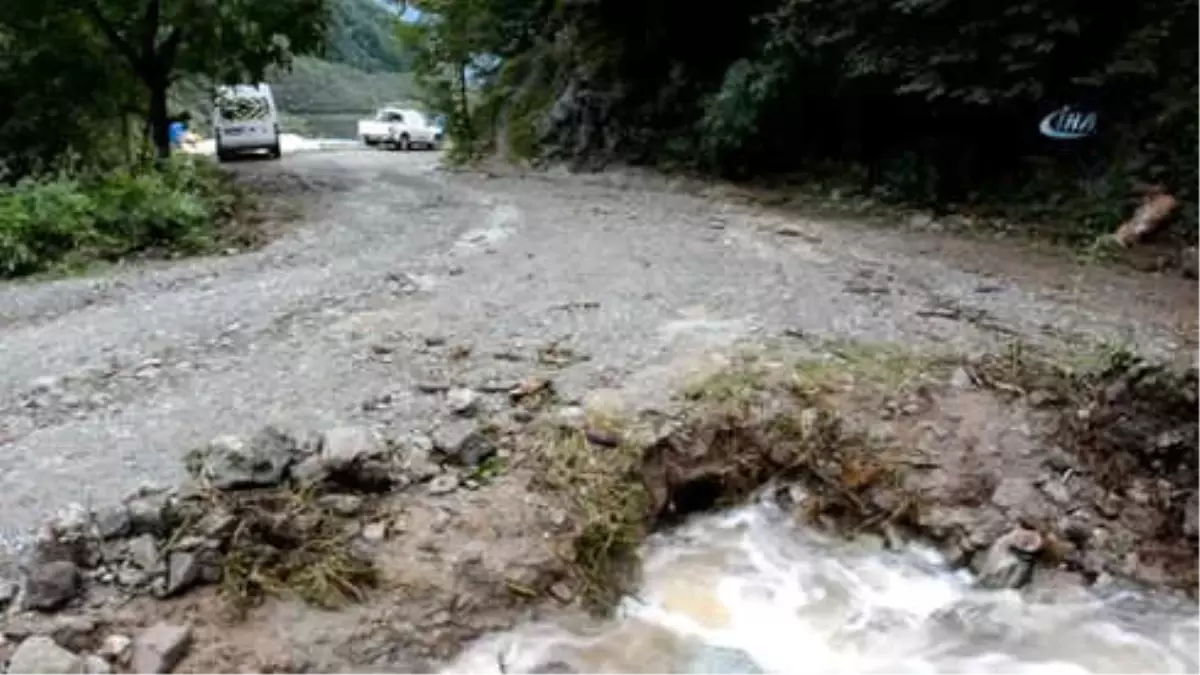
(88, 90)
(316, 86)
(85, 87)
(364, 65)
(925, 102)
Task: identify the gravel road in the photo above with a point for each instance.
(397, 268)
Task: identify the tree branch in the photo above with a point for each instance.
(114, 37)
(150, 31)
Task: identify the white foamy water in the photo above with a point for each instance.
(748, 591)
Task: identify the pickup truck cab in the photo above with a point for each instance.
(400, 128)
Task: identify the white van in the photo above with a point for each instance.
(245, 119)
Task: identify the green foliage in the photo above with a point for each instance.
(66, 221)
(317, 86)
(124, 52)
(363, 35)
(467, 54)
(934, 102)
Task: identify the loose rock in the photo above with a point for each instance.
(147, 515)
(95, 665)
(8, 591)
(183, 571)
(143, 552)
(461, 442)
(553, 668)
(464, 402)
(51, 585)
(443, 484)
(375, 531)
(113, 522)
(344, 447)
(230, 463)
(417, 462)
(116, 648)
(1009, 562)
(342, 504)
(159, 648)
(40, 654)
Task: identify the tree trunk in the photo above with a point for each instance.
(462, 94)
(160, 123)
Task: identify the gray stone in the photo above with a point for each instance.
(216, 524)
(116, 648)
(43, 385)
(417, 458)
(231, 463)
(72, 632)
(71, 521)
(461, 442)
(374, 532)
(344, 447)
(463, 401)
(1191, 526)
(112, 522)
(443, 484)
(143, 552)
(40, 654)
(51, 585)
(95, 665)
(183, 571)
(1009, 562)
(342, 505)
(159, 648)
(961, 379)
(310, 471)
(713, 659)
(8, 592)
(147, 515)
(554, 668)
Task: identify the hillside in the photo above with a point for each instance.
(316, 86)
(363, 35)
(364, 65)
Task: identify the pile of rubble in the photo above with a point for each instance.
(266, 502)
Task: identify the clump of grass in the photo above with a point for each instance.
(757, 420)
(284, 542)
(867, 366)
(604, 489)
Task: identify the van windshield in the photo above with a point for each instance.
(244, 109)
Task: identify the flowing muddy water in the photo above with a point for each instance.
(747, 591)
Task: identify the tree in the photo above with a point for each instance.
(461, 45)
(159, 41)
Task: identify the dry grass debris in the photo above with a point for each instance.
(284, 541)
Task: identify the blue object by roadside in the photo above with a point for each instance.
(175, 133)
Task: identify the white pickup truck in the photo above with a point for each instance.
(400, 128)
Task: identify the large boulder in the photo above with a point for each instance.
(51, 585)
(40, 654)
(234, 463)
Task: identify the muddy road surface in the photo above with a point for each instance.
(400, 280)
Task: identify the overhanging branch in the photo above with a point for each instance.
(114, 36)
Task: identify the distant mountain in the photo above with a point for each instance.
(362, 34)
(364, 64)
